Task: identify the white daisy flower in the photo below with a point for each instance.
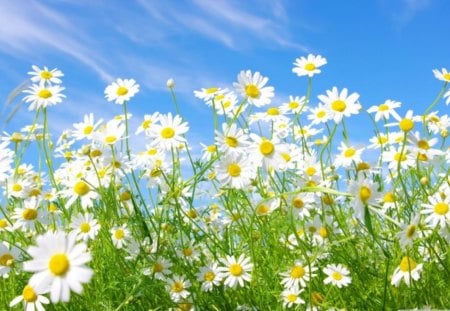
(169, 133)
(437, 211)
(120, 236)
(235, 172)
(121, 90)
(340, 104)
(409, 232)
(298, 274)
(364, 192)
(86, 128)
(9, 254)
(308, 66)
(319, 114)
(45, 76)
(110, 133)
(85, 226)
(236, 271)
(291, 297)
(252, 87)
(384, 110)
(177, 287)
(407, 270)
(442, 75)
(209, 276)
(337, 275)
(160, 269)
(348, 155)
(42, 96)
(149, 120)
(59, 263)
(27, 217)
(232, 140)
(32, 298)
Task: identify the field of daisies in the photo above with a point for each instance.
(282, 210)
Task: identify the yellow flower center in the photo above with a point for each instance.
(119, 234)
(88, 129)
(410, 231)
(28, 294)
(59, 264)
(44, 94)
(192, 213)
(252, 91)
(266, 148)
(211, 148)
(96, 153)
(364, 194)
(125, 196)
(3, 223)
(146, 124)
(298, 203)
(338, 105)
(327, 200)
(211, 90)
(297, 272)
(187, 252)
(167, 132)
(310, 171)
(273, 111)
(231, 141)
(293, 105)
(400, 157)
(362, 166)
(383, 107)
(286, 156)
(46, 75)
(234, 170)
(316, 298)
(29, 214)
(110, 139)
(350, 152)
(209, 276)
(423, 144)
(177, 287)
(406, 125)
(446, 76)
(310, 67)
(291, 297)
(236, 269)
(17, 187)
(121, 91)
(81, 188)
(336, 275)
(382, 140)
(407, 264)
(320, 114)
(158, 268)
(441, 208)
(389, 198)
(6, 260)
(85, 227)
(262, 209)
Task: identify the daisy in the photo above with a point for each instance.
(235, 172)
(160, 268)
(169, 133)
(227, 104)
(8, 257)
(18, 187)
(409, 232)
(438, 210)
(272, 114)
(364, 192)
(79, 189)
(395, 158)
(232, 140)
(422, 147)
(177, 286)
(208, 151)
(86, 128)
(340, 104)
(121, 90)
(407, 270)
(120, 236)
(308, 66)
(32, 298)
(291, 297)
(266, 207)
(252, 87)
(406, 123)
(112, 132)
(301, 204)
(207, 94)
(442, 75)
(58, 262)
(348, 155)
(384, 110)
(43, 96)
(337, 275)
(5, 225)
(85, 226)
(236, 271)
(298, 274)
(319, 114)
(45, 76)
(149, 120)
(209, 276)
(264, 152)
(27, 217)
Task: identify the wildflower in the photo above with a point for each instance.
(86, 128)
(79, 189)
(291, 296)
(252, 87)
(340, 104)
(9, 254)
(120, 236)
(348, 155)
(442, 75)
(169, 133)
(177, 286)
(18, 187)
(85, 226)
(319, 114)
(43, 96)
(28, 216)
(5, 225)
(58, 262)
(301, 204)
(264, 152)
(438, 210)
(409, 232)
(45, 76)
(121, 90)
(364, 192)
(406, 123)
(266, 207)
(398, 157)
(160, 269)
(209, 93)
(384, 110)
(32, 298)
(422, 147)
(149, 120)
(407, 270)
(170, 83)
(232, 140)
(235, 172)
(111, 133)
(337, 275)
(298, 274)
(308, 66)
(209, 276)
(236, 271)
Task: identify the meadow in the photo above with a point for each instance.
(283, 210)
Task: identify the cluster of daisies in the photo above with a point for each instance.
(282, 166)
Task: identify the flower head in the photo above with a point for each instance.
(121, 90)
(308, 66)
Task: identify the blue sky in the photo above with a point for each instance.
(382, 49)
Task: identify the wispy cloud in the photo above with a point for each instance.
(402, 12)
